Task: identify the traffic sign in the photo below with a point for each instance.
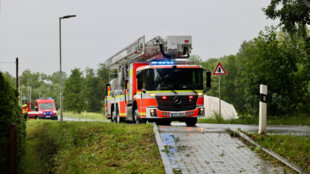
(219, 70)
(24, 97)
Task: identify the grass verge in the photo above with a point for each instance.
(294, 148)
(91, 147)
(258, 150)
(86, 115)
(298, 119)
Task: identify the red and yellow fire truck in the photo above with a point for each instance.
(43, 108)
(155, 82)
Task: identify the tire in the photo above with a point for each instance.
(137, 119)
(113, 116)
(118, 118)
(37, 117)
(191, 122)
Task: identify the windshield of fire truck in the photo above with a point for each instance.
(175, 79)
(46, 106)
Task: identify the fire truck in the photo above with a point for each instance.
(43, 108)
(154, 81)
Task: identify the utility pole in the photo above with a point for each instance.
(16, 72)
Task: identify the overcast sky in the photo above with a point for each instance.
(29, 29)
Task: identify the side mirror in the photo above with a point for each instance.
(208, 76)
(126, 84)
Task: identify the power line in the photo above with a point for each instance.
(8, 62)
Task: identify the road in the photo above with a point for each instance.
(278, 129)
(207, 148)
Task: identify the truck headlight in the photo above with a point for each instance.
(201, 111)
(153, 112)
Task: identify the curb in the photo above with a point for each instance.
(161, 148)
(275, 155)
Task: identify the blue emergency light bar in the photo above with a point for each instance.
(162, 63)
(46, 98)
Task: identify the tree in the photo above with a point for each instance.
(73, 91)
(275, 60)
(294, 15)
(92, 91)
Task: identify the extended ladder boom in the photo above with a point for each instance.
(170, 48)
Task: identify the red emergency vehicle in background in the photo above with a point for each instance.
(43, 108)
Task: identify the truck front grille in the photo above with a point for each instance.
(176, 103)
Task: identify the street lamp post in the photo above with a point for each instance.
(60, 18)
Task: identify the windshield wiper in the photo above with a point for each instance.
(174, 91)
(194, 91)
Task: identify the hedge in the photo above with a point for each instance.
(9, 113)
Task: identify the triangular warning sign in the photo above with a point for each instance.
(219, 70)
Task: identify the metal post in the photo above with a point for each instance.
(220, 96)
(28, 92)
(16, 72)
(61, 82)
(263, 109)
(61, 116)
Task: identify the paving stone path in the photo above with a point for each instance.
(210, 150)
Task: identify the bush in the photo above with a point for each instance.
(9, 114)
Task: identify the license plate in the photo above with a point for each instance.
(48, 116)
(177, 114)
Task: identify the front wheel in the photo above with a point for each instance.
(191, 122)
(113, 117)
(136, 117)
(118, 118)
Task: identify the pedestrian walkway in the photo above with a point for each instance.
(210, 150)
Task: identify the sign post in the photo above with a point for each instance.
(219, 71)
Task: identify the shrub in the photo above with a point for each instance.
(10, 112)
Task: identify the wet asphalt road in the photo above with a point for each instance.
(271, 129)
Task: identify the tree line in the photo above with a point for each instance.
(82, 90)
(273, 58)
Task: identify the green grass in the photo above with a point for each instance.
(88, 115)
(218, 119)
(294, 148)
(91, 147)
(297, 119)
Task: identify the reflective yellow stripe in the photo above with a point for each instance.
(109, 98)
(122, 114)
(142, 113)
(119, 96)
(130, 73)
